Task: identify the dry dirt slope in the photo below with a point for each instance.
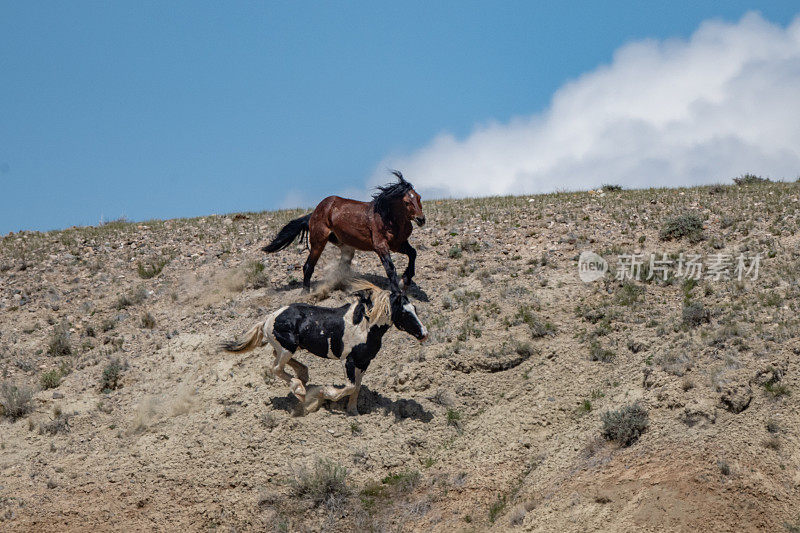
(494, 424)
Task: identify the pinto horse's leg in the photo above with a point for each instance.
(408, 250)
(300, 370)
(352, 402)
(333, 394)
(295, 385)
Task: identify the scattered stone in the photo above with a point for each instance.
(736, 398)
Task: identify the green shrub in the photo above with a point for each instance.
(148, 321)
(50, 379)
(625, 425)
(470, 246)
(59, 343)
(694, 314)
(541, 329)
(629, 293)
(524, 348)
(776, 389)
(254, 274)
(497, 507)
(15, 400)
(453, 418)
(688, 225)
(402, 481)
(598, 353)
(325, 482)
(526, 315)
(111, 376)
(151, 268)
(750, 179)
(59, 423)
(134, 298)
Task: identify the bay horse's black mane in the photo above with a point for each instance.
(383, 199)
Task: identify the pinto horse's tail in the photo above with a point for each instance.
(288, 233)
(252, 340)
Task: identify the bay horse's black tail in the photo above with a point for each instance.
(288, 233)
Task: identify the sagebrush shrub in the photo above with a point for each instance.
(111, 376)
(625, 425)
(50, 379)
(598, 353)
(254, 274)
(694, 314)
(151, 268)
(324, 482)
(148, 321)
(15, 400)
(749, 179)
(688, 225)
(59, 343)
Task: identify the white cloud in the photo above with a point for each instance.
(294, 198)
(663, 113)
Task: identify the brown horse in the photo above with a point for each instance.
(382, 225)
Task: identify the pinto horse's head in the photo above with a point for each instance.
(384, 307)
(404, 316)
(390, 196)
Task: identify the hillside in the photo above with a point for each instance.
(138, 422)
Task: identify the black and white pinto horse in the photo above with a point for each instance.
(351, 333)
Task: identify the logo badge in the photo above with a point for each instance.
(591, 267)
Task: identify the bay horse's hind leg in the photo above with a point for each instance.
(346, 259)
(344, 272)
(317, 241)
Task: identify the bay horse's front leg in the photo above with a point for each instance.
(408, 250)
(388, 266)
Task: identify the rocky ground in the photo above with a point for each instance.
(503, 421)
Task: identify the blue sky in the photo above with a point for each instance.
(169, 109)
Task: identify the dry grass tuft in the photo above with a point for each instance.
(15, 400)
